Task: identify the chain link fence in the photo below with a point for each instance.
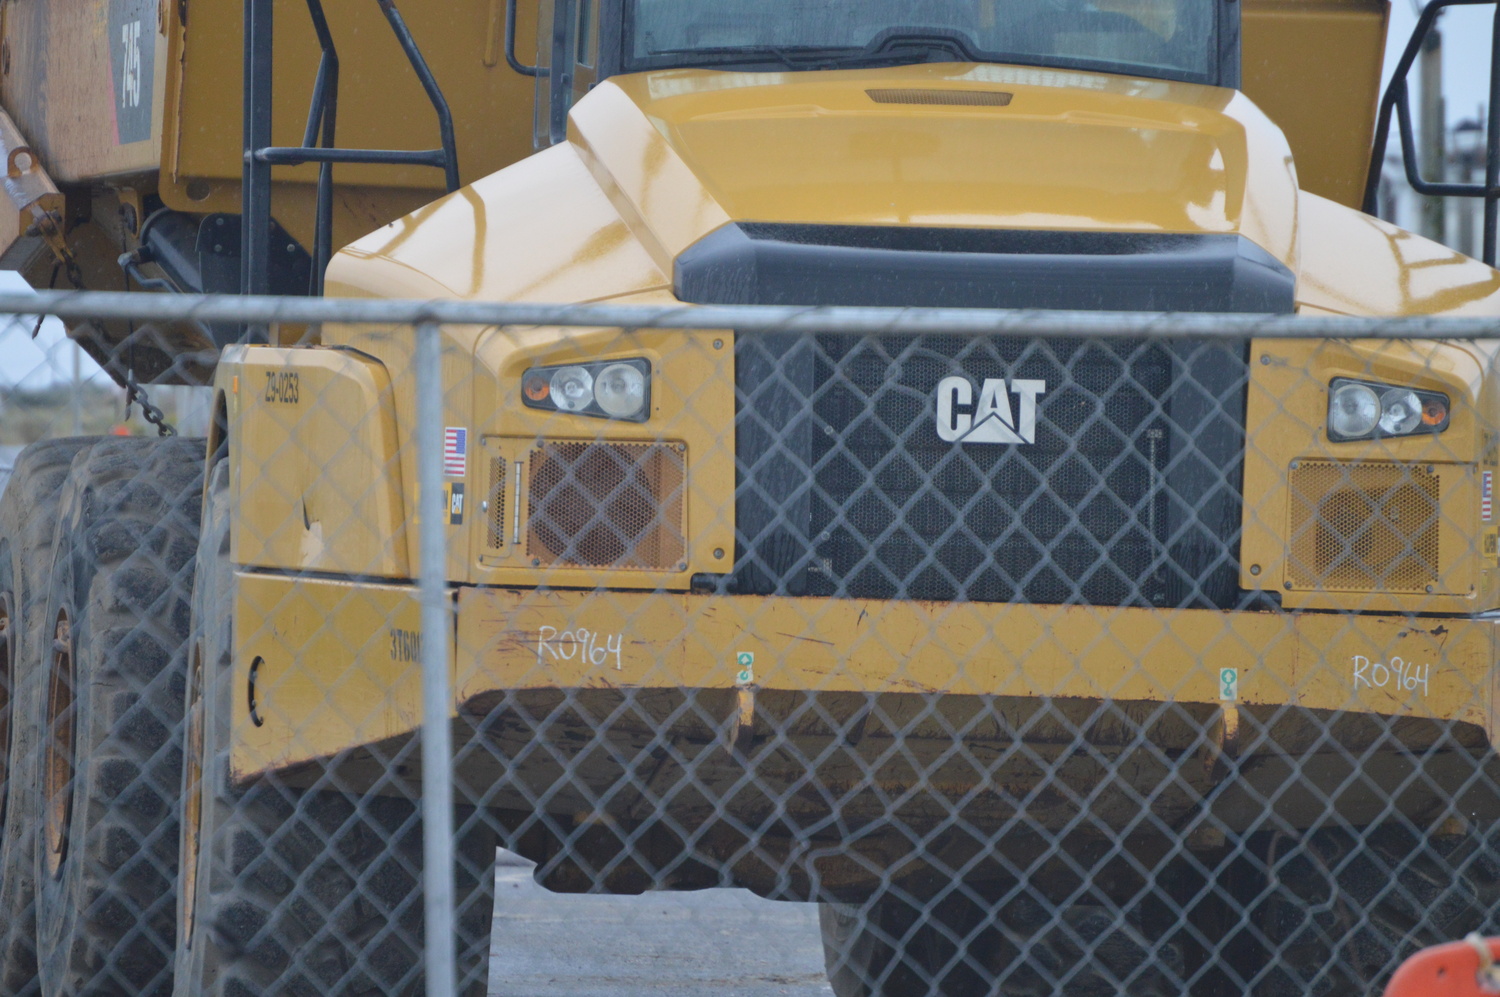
(1042, 652)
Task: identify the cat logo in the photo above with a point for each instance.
(960, 420)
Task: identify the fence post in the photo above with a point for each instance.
(437, 747)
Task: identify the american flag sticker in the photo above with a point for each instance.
(1487, 495)
(455, 452)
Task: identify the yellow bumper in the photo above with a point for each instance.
(794, 688)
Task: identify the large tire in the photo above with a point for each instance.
(293, 891)
(1339, 910)
(28, 520)
(954, 946)
(111, 764)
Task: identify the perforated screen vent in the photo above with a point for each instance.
(950, 98)
(607, 505)
(1364, 527)
(495, 520)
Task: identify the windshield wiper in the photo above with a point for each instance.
(798, 58)
(889, 43)
(893, 47)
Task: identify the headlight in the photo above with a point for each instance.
(1353, 411)
(572, 389)
(621, 391)
(1359, 410)
(610, 389)
(1400, 412)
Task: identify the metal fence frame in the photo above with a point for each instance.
(748, 319)
(425, 317)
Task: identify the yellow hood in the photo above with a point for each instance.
(940, 145)
(657, 162)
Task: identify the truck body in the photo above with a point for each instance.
(754, 177)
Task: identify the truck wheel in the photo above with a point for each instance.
(891, 947)
(110, 766)
(1341, 910)
(28, 519)
(298, 891)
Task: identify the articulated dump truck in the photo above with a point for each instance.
(1123, 664)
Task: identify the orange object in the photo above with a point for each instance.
(119, 430)
(1457, 969)
(537, 388)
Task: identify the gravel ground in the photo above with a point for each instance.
(725, 943)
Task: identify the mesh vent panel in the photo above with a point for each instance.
(495, 521)
(607, 505)
(1125, 492)
(953, 98)
(1368, 527)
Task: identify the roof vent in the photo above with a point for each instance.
(951, 98)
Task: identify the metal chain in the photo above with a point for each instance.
(135, 394)
(75, 275)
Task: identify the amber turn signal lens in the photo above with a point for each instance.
(537, 387)
(1434, 413)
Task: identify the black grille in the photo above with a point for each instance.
(1129, 494)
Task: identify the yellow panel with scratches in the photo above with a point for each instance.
(357, 673)
(313, 461)
(332, 664)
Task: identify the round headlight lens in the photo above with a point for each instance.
(621, 391)
(572, 389)
(1353, 411)
(1400, 411)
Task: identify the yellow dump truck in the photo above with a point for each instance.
(1117, 664)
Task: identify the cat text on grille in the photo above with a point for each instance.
(995, 417)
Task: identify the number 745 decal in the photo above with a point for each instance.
(132, 65)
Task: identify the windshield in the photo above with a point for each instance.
(1175, 39)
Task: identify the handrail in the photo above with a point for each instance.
(1397, 99)
(318, 142)
(510, 45)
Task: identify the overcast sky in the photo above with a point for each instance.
(1466, 54)
(39, 362)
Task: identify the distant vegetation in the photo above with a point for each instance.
(28, 415)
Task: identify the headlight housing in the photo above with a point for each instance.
(605, 389)
(1367, 410)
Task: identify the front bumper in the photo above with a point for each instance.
(838, 713)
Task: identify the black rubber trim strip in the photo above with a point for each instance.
(751, 263)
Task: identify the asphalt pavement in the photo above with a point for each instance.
(724, 943)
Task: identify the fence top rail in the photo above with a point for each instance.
(745, 319)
